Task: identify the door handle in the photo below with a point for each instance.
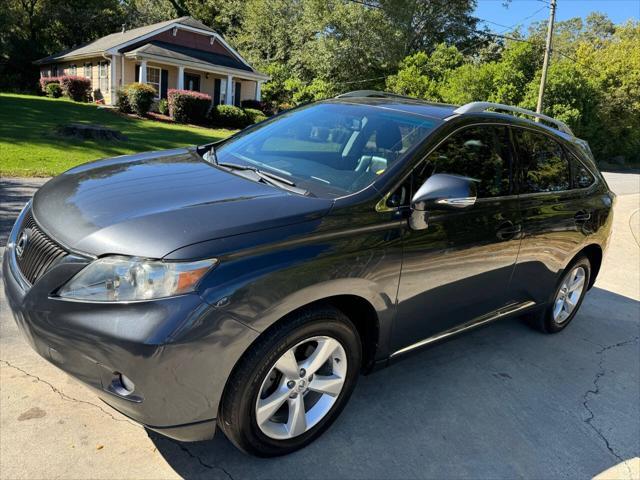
(508, 230)
(582, 216)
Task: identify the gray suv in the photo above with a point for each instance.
(248, 283)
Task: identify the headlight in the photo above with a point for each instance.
(125, 279)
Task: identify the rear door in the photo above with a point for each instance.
(556, 212)
(459, 268)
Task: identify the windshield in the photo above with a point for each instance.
(329, 149)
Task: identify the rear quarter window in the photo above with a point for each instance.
(582, 177)
(544, 164)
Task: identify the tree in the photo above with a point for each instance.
(420, 25)
(420, 75)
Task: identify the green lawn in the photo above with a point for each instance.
(29, 145)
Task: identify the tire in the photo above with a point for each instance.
(256, 380)
(548, 321)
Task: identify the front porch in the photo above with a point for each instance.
(166, 66)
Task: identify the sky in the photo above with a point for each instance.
(523, 12)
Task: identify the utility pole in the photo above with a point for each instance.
(547, 54)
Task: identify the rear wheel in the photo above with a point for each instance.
(567, 298)
(292, 384)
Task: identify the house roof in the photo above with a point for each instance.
(103, 44)
(179, 52)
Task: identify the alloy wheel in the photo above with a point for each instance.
(301, 387)
(569, 294)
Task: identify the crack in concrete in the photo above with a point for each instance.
(596, 390)
(64, 396)
(186, 450)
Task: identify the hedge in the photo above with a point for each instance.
(163, 107)
(122, 101)
(254, 116)
(264, 107)
(140, 97)
(44, 81)
(186, 106)
(228, 116)
(76, 88)
(53, 90)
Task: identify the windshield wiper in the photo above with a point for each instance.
(267, 177)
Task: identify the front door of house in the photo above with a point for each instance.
(192, 82)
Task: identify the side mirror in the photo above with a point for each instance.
(443, 191)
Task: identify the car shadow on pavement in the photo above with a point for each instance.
(503, 401)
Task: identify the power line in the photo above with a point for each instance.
(498, 35)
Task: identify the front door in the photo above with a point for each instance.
(458, 269)
(192, 82)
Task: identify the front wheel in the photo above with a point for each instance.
(292, 384)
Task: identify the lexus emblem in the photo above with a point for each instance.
(22, 243)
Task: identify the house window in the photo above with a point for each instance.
(104, 76)
(73, 69)
(154, 79)
(87, 70)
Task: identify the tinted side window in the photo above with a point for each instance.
(480, 152)
(582, 178)
(543, 163)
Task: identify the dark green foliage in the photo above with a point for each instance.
(140, 97)
(122, 101)
(254, 116)
(163, 107)
(229, 116)
(53, 90)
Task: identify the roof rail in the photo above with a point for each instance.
(475, 107)
(371, 94)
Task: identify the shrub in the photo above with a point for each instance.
(186, 106)
(122, 101)
(140, 96)
(53, 90)
(264, 107)
(44, 81)
(254, 116)
(284, 106)
(76, 88)
(163, 107)
(229, 116)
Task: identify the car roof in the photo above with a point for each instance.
(440, 111)
(403, 104)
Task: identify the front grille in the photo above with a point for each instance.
(35, 251)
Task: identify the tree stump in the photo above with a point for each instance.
(89, 132)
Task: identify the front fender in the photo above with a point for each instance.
(259, 286)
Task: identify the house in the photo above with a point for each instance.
(182, 53)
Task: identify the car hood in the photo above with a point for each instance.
(150, 204)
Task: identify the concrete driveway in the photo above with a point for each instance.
(499, 402)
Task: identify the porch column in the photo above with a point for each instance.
(258, 90)
(181, 78)
(228, 98)
(143, 71)
(112, 80)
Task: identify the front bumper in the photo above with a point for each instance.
(178, 352)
